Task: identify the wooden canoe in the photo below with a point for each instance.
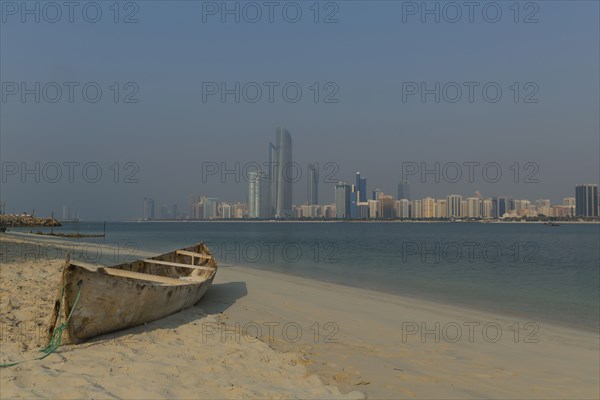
(131, 294)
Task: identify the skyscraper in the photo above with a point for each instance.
(281, 174)
(416, 209)
(354, 200)
(361, 187)
(342, 200)
(313, 185)
(503, 205)
(473, 207)
(586, 200)
(454, 205)
(428, 208)
(211, 208)
(377, 194)
(402, 208)
(259, 195)
(387, 207)
(404, 190)
(487, 208)
(441, 208)
(148, 208)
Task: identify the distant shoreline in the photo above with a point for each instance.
(350, 221)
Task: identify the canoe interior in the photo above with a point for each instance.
(175, 257)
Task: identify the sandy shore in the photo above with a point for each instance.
(317, 340)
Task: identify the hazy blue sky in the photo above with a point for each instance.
(369, 54)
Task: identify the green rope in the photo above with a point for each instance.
(56, 338)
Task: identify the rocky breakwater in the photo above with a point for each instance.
(13, 220)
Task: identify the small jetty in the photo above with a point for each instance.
(25, 220)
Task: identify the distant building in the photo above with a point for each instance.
(487, 208)
(329, 211)
(281, 174)
(374, 209)
(416, 209)
(387, 207)
(313, 185)
(569, 206)
(473, 207)
(543, 203)
(308, 211)
(429, 208)
(586, 200)
(342, 200)
(148, 208)
(226, 211)
(164, 211)
(197, 211)
(259, 195)
(354, 200)
(522, 208)
(402, 208)
(240, 210)
(543, 207)
(377, 194)
(563, 211)
(363, 210)
(463, 208)
(441, 208)
(361, 187)
(502, 206)
(454, 205)
(211, 208)
(403, 190)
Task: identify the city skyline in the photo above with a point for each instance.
(269, 196)
(381, 206)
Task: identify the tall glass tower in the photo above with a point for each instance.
(342, 200)
(259, 195)
(404, 190)
(361, 187)
(313, 185)
(281, 174)
(586, 200)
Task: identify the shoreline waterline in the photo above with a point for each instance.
(70, 244)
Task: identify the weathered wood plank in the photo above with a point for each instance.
(172, 264)
(141, 276)
(192, 254)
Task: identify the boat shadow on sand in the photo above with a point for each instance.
(218, 299)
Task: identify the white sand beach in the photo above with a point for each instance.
(317, 340)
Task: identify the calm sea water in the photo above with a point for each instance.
(526, 270)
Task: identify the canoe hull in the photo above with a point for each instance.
(110, 303)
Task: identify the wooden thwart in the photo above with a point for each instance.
(192, 254)
(172, 264)
(141, 276)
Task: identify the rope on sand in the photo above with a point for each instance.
(55, 340)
